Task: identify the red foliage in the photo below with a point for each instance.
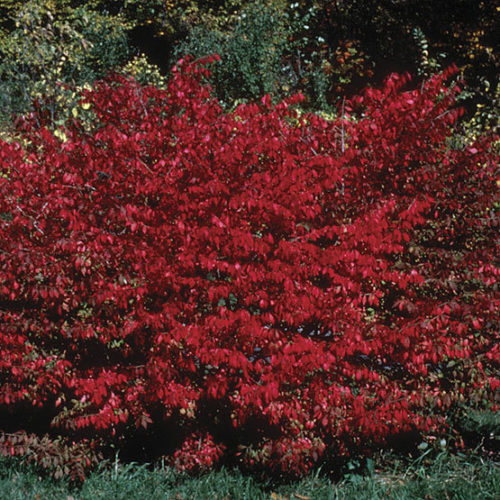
(279, 287)
(197, 454)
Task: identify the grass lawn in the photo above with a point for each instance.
(441, 476)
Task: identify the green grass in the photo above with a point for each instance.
(440, 477)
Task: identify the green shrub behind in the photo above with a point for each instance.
(251, 53)
(47, 51)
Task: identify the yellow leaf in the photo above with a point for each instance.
(74, 112)
(60, 135)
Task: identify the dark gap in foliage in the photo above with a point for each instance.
(158, 49)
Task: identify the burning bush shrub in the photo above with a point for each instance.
(258, 287)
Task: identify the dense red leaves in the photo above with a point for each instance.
(321, 284)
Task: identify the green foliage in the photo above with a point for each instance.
(426, 65)
(251, 53)
(167, 18)
(438, 476)
(481, 426)
(135, 13)
(49, 51)
(276, 48)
